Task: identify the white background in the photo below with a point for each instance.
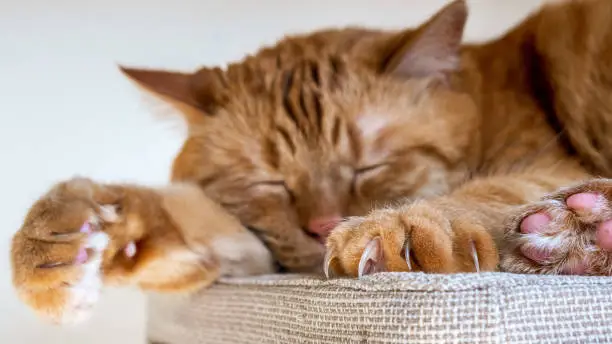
(65, 109)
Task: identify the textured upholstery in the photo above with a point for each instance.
(389, 308)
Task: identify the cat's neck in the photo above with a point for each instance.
(505, 80)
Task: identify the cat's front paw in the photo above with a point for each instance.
(567, 232)
(58, 253)
(418, 237)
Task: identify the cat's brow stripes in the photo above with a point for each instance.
(288, 77)
(315, 77)
(302, 102)
(318, 111)
(315, 73)
(335, 65)
(294, 99)
(301, 92)
(335, 132)
(336, 70)
(301, 98)
(284, 134)
(310, 102)
(271, 153)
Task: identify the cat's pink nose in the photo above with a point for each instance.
(321, 226)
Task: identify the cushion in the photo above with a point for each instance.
(388, 308)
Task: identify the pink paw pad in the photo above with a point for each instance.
(535, 223)
(583, 201)
(85, 228)
(82, 256)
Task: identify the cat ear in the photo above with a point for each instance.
(203, 90)
(430, 50)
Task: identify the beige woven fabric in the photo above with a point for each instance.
(390, 308)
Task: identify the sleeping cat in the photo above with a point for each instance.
(439, 157)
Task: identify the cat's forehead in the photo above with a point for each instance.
(291, 96)
(278, 75)
(313, 104)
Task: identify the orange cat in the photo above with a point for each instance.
(448, 152)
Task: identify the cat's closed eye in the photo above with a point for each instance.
(365, 172)
(371, 168)
(277, 185)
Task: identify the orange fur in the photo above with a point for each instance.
(175, 230)
(458, 141)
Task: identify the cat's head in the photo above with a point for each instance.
(324, 126)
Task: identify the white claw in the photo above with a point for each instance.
(130, 249)
(109, 213)
(407, 255)
(327, 263)
(372, 258)
(475, 256)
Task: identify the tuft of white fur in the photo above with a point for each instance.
(242, 255)
(84, 294)
(371, 124)
(546, 241)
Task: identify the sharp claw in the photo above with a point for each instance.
(407, 255)
(130, 249)
(475, 256)
(327, 263)
(109, 213)
(372, 258)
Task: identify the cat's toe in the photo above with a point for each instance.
(366, 245)
(584, 202)
(71, 290)
(535, 223)
(419, 237)
(57, 264)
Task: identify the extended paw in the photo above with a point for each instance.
(567, 232)
(58, 253)
(419, 237)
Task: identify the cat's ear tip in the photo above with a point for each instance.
(459, 4)
(458, 8)
(138, 72)
(128, 71)
(122, 67)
